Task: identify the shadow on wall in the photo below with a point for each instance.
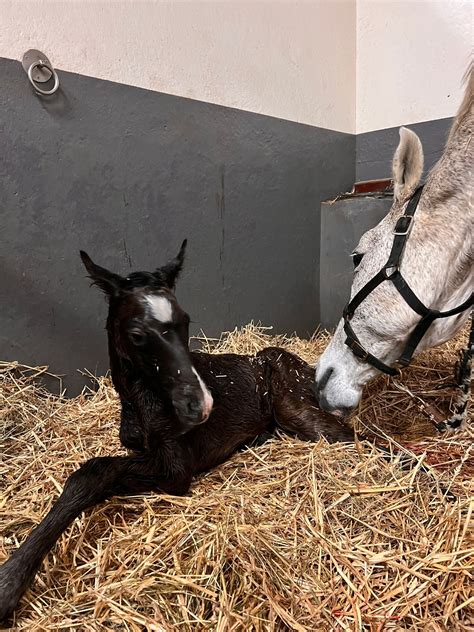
(47, 323)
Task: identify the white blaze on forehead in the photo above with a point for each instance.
(161, 308)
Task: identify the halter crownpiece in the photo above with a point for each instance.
(391, 272)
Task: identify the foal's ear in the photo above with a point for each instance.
(109, 282)
(407, 166)
(171, 270)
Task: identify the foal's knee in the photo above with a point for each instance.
(131, 437)
(93, 481)
(130, 434)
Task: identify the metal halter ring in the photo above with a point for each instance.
(43, 64)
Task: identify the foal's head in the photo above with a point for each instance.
(149, 332)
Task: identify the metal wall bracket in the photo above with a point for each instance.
(39, 70)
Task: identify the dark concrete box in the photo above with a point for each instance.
(343, 222)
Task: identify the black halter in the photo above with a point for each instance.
(391, 272)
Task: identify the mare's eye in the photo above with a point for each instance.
(356, 259)
(137, 337)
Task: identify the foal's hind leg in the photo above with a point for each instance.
(294, 402)
(91, 484)
(308, 422)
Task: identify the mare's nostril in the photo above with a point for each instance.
(324, 404)
(321, 384)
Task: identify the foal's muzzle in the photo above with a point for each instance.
(192, 405)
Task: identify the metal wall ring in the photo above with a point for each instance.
(42, 64)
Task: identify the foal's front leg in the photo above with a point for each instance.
(91, 484)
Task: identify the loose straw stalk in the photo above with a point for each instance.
(285, 536)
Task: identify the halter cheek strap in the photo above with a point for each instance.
(391, 272)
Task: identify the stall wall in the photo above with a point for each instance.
(411, 57)
(226, 123)
(291, 60)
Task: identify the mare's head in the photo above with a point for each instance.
(437, 264)
(149, 337)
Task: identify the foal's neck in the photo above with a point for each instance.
(130, 385)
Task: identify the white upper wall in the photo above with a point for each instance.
(294, 60)
(411, 57)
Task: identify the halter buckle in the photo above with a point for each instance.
(390, 271)
(397, 366)
(403, 225)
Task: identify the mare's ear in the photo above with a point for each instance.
(171, 270)
(109, 282)
(407, 166)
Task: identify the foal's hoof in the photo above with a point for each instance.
(7, 608)
(10, 591)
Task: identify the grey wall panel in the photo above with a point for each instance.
(126, 174)
(374, 150)
(342, 225)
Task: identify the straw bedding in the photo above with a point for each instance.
(285, 536)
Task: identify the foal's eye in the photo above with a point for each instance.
(356, 259)
(137, 337)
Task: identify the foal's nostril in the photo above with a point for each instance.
(194, 407)
(321, 384)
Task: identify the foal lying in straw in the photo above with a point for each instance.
(182, 413)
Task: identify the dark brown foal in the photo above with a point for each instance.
(182, 412)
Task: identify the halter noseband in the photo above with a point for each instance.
(391, 272)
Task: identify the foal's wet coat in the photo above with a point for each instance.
(166, 392)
